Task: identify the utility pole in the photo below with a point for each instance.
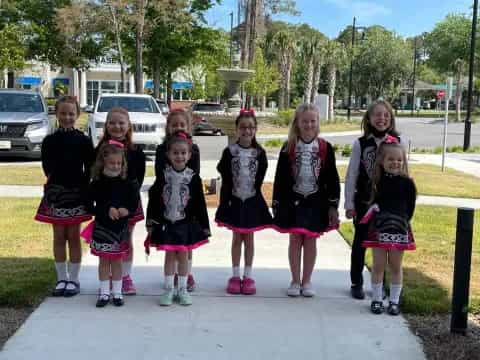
(414, 73)
(231, 39)
(468, 120)
(350, 79)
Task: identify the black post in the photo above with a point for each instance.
(414, 74)
(461, 273)
(468, 120)
(350, 80)
(231, 39)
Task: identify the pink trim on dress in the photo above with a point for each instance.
(138, 215)
(175, 247)
(58, 221)
(88, 232)
(303, 231)
(370, 214)
(112, 256)
(376, 244)
(243, 230)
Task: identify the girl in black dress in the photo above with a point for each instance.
(242, 207)
(67, 156)
(177, 218)
(388, 221)
(118, 127)
(113, 197)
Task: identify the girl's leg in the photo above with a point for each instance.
(60, 255)
(75, 252)
(378, 269)
(116, 267)
(395, 258)
(236, 253)
(249, 253)
(184, 297)
(190, 279)
(295, 256)
(169, 268)
(104, 277)
(309, 257)
(128, 288)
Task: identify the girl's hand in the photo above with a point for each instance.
(122, 212)
(114, 214)
(332, 216)
(350, 213)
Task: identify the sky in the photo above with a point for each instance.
(405, 17)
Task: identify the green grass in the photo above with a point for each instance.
(428, 271)
(21, 175)
(26, 266)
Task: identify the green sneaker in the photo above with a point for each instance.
(184, 297)
(166, 299)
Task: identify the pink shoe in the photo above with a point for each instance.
(190, 283)
(248, 286)
(127, 286)
(234, 285)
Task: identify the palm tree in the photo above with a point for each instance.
(335, 58)
(285, 42)
(312, 55)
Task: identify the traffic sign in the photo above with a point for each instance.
(440, 94)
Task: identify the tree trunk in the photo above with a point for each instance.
(169, 88)
(246, 39)
(142, 5)
(287, 85)
(332, 79)
(263, 103)
(316, 81)
(308, 82)
(116, 26)
(156, 81)
(458, 93)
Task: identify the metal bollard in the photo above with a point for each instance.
(461, 273)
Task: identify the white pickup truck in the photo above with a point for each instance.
(145, 115)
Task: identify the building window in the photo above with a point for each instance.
(92, 92)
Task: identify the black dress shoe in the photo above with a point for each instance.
(72, 292)
(376, 307)
(59, 291)
(357, 292)
(118, 301)
(102, 301)
(393, 309)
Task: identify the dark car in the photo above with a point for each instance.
(162, 104)
(200, 123)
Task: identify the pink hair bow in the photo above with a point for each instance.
(247, 112)
(185, 136)
(116, 143)
(391, 140)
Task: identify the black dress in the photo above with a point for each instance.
(136, 173)
(161, 160)
(242, 207)
(67, 156)
(306, 186)
(389, 218)
(109, 238)
(177, 214)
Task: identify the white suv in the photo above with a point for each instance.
(145, 115)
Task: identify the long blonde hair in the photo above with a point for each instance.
(367, 126)
(105, 151)
(378, 171)
(128, 137)
(294, 131)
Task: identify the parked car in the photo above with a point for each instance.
(24, 123)
(145, 115)
(162, 104)
(200, 123)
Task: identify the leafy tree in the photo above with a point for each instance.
(285, 43)
(449, 47)
(335, 59)
(12, 50)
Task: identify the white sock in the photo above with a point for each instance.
(182, 282)
(105, 287)
(126, 268)
(236, 271)
(395, 291)
(189, 266)
(117, 288)
(377, 291)
(168, 282)
(61, 268)
(176, 267)
(73, 271)
(247, 272)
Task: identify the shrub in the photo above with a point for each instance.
(347, 151)
(283, 118)
(274, 143)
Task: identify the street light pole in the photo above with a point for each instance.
(350, 80)
(414, 73)
(468, 121)
(231, 39)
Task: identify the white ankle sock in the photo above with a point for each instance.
(189, 266)
(126, 268)
(395, 291)
(377, 291)
(247, 272)
(182, 282)
(61, 268)
(117, 288)
(168, 282)
(105, 287)
(236, 271)
(73, 271)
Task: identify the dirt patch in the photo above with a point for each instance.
(267, 191)
(440, 344)
(10, 320)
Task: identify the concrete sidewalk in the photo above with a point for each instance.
(268, 325)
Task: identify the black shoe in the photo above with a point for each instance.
(72, 292)
(357, 292)
(59, 291)
(102, 301)
(118, 301)
(376, 307)
(393, 309)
